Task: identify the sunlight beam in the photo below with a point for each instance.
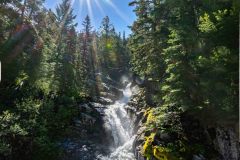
(120, 13)
(90, 12)
(80, 11)
(99, 7)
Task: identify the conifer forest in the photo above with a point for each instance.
(165, 87)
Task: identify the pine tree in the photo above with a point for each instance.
(65, 69)
(105, 42)
(106, 27)
(88, 57)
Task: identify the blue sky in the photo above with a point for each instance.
(120, 14)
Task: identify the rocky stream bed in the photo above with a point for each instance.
(115, 129)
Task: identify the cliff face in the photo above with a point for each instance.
(225, 142)
(179, 135)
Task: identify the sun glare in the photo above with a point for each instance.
(100, 5)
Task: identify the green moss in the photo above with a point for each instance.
(161, 153)
(147, 147)
(151, 118)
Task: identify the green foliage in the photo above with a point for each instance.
(29, 111)
(190, 49)
(5, 148)
(42, 66)
(65, 15)
(48, 69)
(206, 25)
(10, 125)
(45, 148)
(112, 51)
(147, 147)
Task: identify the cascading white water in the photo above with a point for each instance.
(120, 125)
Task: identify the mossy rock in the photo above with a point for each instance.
(151, 117)
(158, 152)
(147, 147)
(162, 153)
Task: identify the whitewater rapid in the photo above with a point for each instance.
(120, 125)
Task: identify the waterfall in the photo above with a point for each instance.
(119, 124)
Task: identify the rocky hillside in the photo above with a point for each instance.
(169, 134)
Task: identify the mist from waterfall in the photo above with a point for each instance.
(120, 125)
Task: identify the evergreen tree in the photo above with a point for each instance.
(65, 68)
(88, 57)
(65, 15)
(106, 27)
(189, 50)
